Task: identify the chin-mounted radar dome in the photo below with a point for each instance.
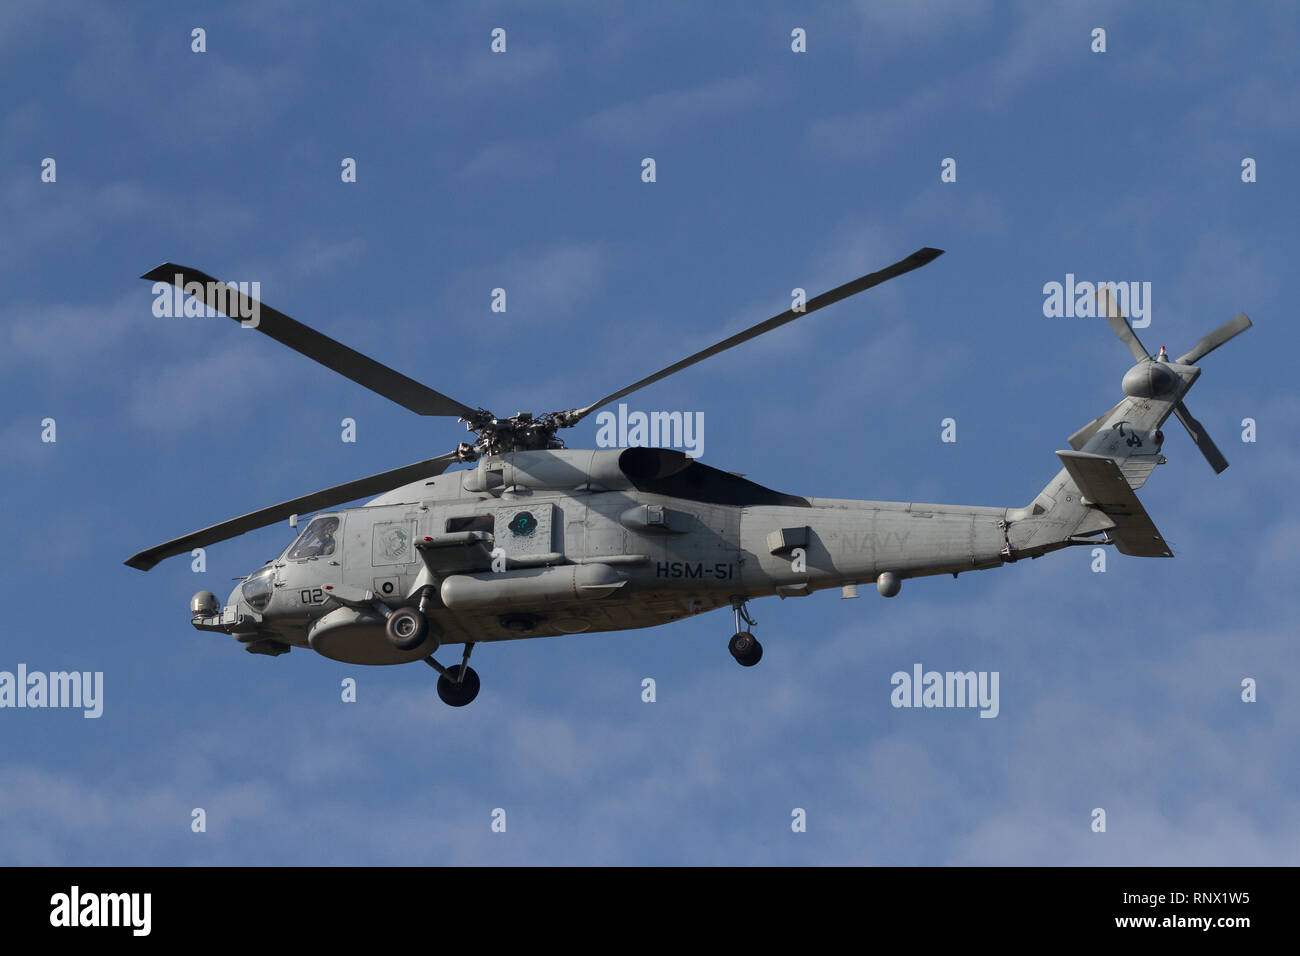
(204, 604)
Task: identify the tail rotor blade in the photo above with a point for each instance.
(1201, 437)
(1205, 346)
(1110, 308)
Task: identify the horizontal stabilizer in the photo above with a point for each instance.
(1104, 486)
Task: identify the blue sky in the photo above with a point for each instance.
(774, 170)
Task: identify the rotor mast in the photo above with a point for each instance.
(520, 432)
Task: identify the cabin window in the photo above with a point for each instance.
(471, 523)
(317, 541)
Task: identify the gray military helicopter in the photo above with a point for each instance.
(540, 540)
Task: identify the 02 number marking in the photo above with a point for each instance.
(311, 596)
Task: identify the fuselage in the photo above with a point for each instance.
(570, 541)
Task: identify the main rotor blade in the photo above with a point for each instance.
(1110, 309)
(363, 370)
(1201, 437)
(914, 261)
(1205, 346)
(339, 494)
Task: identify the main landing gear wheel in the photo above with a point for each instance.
(745, 649)
(406, 628)
(454, 690)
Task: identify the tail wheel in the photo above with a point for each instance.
(458, 694)
(745, 649)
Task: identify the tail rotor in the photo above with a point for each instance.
(1148, 379)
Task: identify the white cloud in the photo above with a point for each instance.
(63, 339)
(647, 119)
(207, 391)
(316, 256)
(546, 287)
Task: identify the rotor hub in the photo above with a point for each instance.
(520, 432)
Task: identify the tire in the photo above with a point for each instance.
(458, 695)
(744, 647)
(407, 628)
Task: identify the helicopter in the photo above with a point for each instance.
(539, 540)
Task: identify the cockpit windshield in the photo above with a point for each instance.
(317, 541)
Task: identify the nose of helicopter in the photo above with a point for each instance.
(207, 607)
(257, 590)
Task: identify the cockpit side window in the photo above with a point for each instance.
(317, 541)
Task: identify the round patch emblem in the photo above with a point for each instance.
(523, 524)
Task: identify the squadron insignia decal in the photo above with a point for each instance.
(523, 525)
